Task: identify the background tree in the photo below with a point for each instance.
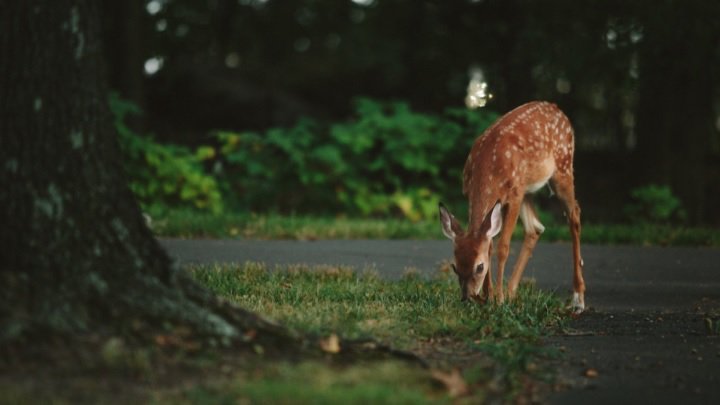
(675, 97)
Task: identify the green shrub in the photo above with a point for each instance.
(387, 160)
(653, 204)
(284, 169)
(164, 175)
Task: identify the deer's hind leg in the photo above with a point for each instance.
(565, 190)
(533, 229)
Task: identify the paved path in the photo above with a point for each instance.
(644, 332)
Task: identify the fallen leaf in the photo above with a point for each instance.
(453, 381)
(165, 340)
(249, 335)
(331, 344)
(591, 373)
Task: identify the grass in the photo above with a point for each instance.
(475, 353)
(315, 383)
(496, 347)
(189, 224)
(325, 300)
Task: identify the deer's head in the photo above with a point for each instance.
(472, 250)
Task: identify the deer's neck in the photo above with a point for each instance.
(481, 202)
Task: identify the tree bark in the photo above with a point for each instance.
(76, 253)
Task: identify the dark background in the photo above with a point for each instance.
(639, 79)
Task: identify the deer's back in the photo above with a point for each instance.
(523, 147)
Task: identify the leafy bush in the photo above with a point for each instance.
(163, 175)
(653, 204)
(387, 160)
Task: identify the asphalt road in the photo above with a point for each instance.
(643, 338)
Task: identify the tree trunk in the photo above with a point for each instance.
(675, 116)
(76, 253)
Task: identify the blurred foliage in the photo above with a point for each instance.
(251, 65)
(232, 224)
(654, 204)
(387, 160)
(163, 175)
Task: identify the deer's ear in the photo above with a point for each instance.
(495, 221)
(450, 226)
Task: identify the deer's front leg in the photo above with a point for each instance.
(503, 249)
(488, 284)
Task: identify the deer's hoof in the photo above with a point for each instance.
(577, 306)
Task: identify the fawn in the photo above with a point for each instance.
(516, 156)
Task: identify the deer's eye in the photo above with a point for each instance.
(479, 268)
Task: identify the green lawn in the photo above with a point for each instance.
(189, 224)
(496, 348)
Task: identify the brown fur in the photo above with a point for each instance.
(521, 151)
